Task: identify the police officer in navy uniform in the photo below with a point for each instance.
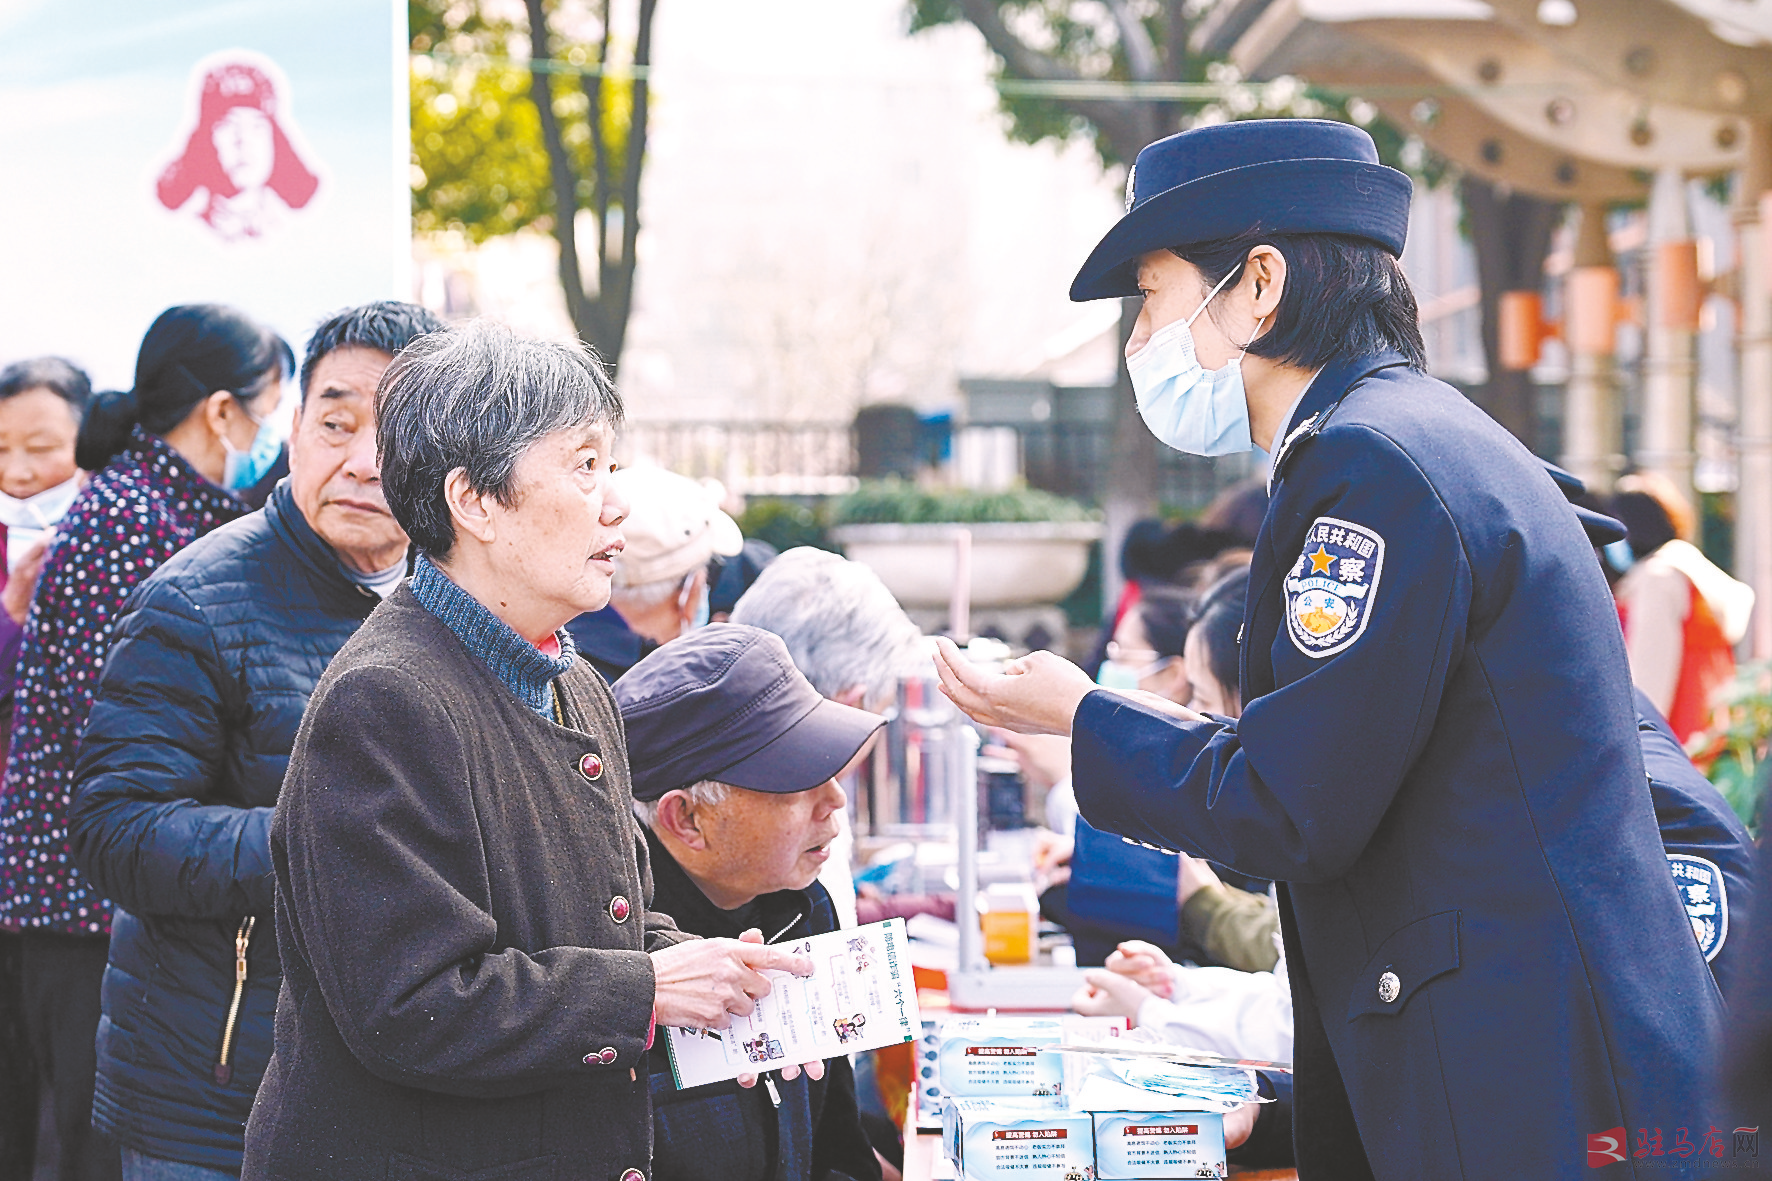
(1493, 975)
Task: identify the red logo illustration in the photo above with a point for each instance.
(239, 156)
(1606, 1148)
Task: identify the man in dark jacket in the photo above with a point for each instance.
(182, 759)
(734, 755)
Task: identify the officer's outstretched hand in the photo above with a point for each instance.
(1037, 694)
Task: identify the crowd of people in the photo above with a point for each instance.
(382, 776)
(197, 984)
(202, 985)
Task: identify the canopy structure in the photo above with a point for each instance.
(1591, 104)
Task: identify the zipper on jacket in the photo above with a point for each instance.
(224, 1072)
(774, 1095)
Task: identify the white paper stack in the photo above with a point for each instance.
(860, 996)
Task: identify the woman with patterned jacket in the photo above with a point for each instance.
(200, 421)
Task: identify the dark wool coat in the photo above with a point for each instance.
(463, 913)
(1440, 762)
(178, 772)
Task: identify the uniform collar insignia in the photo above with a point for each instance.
(1331, 385)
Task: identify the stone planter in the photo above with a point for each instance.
(1013, 565)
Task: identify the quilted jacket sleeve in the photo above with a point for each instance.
(151, 758)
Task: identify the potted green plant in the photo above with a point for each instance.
(1028, 547)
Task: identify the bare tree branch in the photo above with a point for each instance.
(593, 88)
(1023, 61)
(1123, 123)
(565, 178)
(1135, 41)
(1176, 30)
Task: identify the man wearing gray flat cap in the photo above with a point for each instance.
(735, 757)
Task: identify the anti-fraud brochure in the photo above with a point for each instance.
(860, 996)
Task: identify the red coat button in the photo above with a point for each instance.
(607, 1055)
(593, 1060)
(591, 767)
(633, 1175)
(619, 909)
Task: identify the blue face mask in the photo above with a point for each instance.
(243, 469)
(1183, 405)
(1117, 676)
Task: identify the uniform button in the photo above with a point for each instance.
(607, 1055)
(619, 910)
(1389, 987)
(593, 1060)
(633, 1175)
(591, 766)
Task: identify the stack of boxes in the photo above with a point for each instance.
(1010, 1114)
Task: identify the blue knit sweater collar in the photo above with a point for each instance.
(528, 670)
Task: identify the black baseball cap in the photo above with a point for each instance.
(725, 702)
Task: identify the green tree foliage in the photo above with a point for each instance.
(1045, 47)
(478, 164)
(1065, 42)
(488, 158)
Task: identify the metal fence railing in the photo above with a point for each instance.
(751, 458)
(760, 458)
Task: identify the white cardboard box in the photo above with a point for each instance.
(1013, 1139)
(1000, 1056)
(1141, 1145)
(1010, 1056)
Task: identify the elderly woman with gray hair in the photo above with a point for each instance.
(472, 971)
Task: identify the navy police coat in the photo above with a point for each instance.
(1708, 848)
(1440, 762)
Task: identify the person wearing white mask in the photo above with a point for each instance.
(1437, 758)
(41, 403)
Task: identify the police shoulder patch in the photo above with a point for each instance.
(1705, 897)
(1332, 588)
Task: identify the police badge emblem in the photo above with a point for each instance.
(1330, 589)
(1706, 899)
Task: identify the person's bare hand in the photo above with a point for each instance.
(1037, 694)
(815, 1068)
(1109, 994)
(21, 583)
(1052, 858)
(1196, 875)
(1045, 759)
(1052, 849)
(1146, 963)
(1240, 1124)
(702, 983)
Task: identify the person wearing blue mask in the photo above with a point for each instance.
(1437, 759)
(183, 755)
